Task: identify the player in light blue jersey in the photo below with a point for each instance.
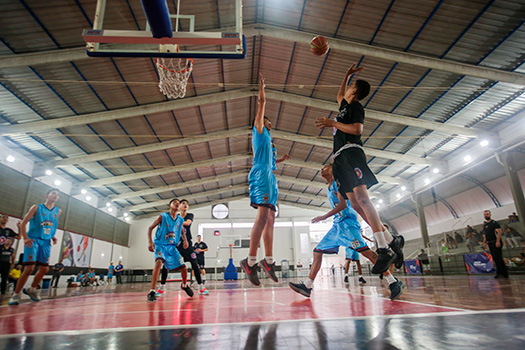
(263, 193)
(43, 222)
(345, 232)
(164, 245)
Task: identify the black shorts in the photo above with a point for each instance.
(187, 254)
(200, 261)
(351, 170)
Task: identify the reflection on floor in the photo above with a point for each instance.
(433, 313)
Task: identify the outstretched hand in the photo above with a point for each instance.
(324, 123)
(151, 247)
(353, 69)
(318, 218)
(261, 81)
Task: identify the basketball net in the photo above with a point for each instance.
(173, 75)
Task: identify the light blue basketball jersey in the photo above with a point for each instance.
(264, 151)
(348, 212)
(111, 269)
(44, 223)
(169, 230)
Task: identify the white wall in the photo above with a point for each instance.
(285, 246)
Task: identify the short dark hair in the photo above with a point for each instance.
(51, 190)
(253, 121)
(487, 210)
(174, 199)
(185, 200)
(363, 89)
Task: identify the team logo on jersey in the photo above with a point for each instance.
(266, 197)
(359, 173)
(193, 255)
(159, 253)
(2, 240)
(31, 257)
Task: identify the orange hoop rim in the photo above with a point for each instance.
(175, 71)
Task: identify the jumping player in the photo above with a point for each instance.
(345, 232)
(188, 254)
(167, 236)
(263, 193)
(43, 222)
(351, 170)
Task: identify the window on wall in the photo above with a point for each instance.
(220, 211)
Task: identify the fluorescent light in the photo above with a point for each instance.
(110, 209)
(120, 257)
(467, 158)
(484, 143)
(403, 188)
(427, 181)
(380, 201)
(378, 206)
(88, 198)
(102, 254)
(83, 191)
(126, 218)
(125, 214)
(49, 172)
(57, 182)
(398, 195)
(108, 204)
(10, 158)
(435, 170)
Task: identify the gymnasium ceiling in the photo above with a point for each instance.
(139, 149)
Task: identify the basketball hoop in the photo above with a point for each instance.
(173, 75)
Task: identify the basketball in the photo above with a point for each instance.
(319, 46)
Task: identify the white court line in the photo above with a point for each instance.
(149, 328)
(404, 301)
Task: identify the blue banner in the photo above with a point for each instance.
(412, 267)
(479, 263)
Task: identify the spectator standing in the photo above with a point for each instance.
(200, 248)
(57, 271)
(119, 269)
(425, 262)
(458, 237)
(492, 237)
(111, 271)
(14, 275)
(6, 259)
(6, 232)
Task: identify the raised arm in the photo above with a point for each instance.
(340, 206)
(155, 223)
(342, 88)
(261, 101)
(283, 158)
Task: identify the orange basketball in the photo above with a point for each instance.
(319, 46)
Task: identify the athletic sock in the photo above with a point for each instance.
(162, 286)
(380, 239)
(309, 283)
(153, 290)
(360, 276)
(269, 259)
(390, 278)
(252, 260)
(388, 236)
(201, 286)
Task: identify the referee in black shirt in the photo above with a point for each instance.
(492, 237)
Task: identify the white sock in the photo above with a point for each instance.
(347, 274)
(269, 259)
(252, 260)
(380, 239)
(388, 236)
(309, 283)
(201, 287)
(390, 278)
(162, 286)
(360, 276)
(153, 290)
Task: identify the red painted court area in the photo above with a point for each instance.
(112, 309)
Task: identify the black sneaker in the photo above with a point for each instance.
(251, 272)
(396, 289)
(269, 269)
(151, 297)
(346, 279)
(300, 288)
(362, 280)
(385, 258)
(381, 277)
(397, 245)
(187, 289)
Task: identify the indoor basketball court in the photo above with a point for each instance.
(168, 168)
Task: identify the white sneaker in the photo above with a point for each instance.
(15, 299)
(32, 293)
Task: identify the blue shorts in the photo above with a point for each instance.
(169, 254)
(110, 275)
(39, 253)
(345, 233)
(352, 254)
(263, 187)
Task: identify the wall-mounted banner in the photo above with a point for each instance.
(76, 250)
(479, 263)
(412, 267)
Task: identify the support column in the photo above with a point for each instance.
(511, 172)
(422, 219)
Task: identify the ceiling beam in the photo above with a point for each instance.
(308, 196)
(372, 114)
(322, 208)
(392, 55)
(177, 186)
(123, 113)
(152, 147)
(318, 166)
(371, 152)
(162, 171)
